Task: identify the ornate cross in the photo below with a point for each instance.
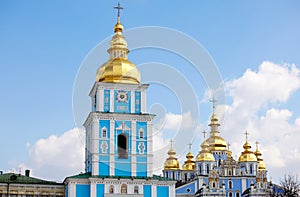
(141, 147)
(204, 134)
(119, 8)
(213, 101)
(104, 147)
(246, 133)
(190, 147)
(171, 142)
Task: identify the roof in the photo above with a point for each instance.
(21, 179)
(88, 175)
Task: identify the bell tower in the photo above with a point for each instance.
(118, 128)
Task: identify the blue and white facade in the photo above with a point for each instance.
(119, 144)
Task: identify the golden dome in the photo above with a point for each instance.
(189, 164)
(171, 163)
(261, 165)
(247, 155)
(205, 154)
(118, 69)
(215, 141)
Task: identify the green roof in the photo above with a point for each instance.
(88, 175)
(21, 179)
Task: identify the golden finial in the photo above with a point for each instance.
(118, 26)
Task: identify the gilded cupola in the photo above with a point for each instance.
(215, 141)
(261, 165)
(189, 164)
(247, 155)
(118, 69)
(171, 162)
(205, 154)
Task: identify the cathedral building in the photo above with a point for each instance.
(119, 143)
(214, 172)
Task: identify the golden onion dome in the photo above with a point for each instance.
(171, 162)
(215, 141)
(261, 165)
(247, 155)
(205, 154)
(189, 164)
(118, 69)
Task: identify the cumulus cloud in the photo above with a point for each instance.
(57, 157)
(257, 100)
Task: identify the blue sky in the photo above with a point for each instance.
(44, 42)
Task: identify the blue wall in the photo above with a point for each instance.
(67, 190)
(82, 190)
(148, 191)
(122, 107)
(137, 102)
(100, 190)
(162, 191)
(106, 102)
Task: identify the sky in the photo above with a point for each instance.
(50, 51)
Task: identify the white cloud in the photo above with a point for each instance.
(57, 157)
(256, 100)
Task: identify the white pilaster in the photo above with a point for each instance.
(143, 101)
(93, 189)
(133, 148)
(154, 189)
(112, 99)
(72, 189)
(132, 102)
(95, 146)
(172, 191)
(100, 99)
(149, 149)
(112, 148)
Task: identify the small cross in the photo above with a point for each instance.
(190, 147)
(246, 133)
(171, 142)
(104, 147)
(141, 147)
(257, 143)
(228, 146)
(213, 100)
(204, 134)
(119, 8)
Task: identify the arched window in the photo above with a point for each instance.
(200, 169)
(214, 184)
(207, 169)
(104, 132)
(111, 189)
(237, 194)
(251, 169)
(123, 189)
(230, 194)
(136, 189)
(219, 162)
(122, 146)
(229, 172)
(141, 133)
(230, 184)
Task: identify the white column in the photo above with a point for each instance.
(149, 149)
(133, 148)
(95, 146)
(132, 101)
(153, 187)
(172, 191)
(72, 189)
(100, 99)
(93, 189)
(112, 148)
(143, 101)
(112, 99)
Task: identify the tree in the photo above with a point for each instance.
(290, 185)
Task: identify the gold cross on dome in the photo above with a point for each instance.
(213, 101)
(171, 142)
(119, 8)
(246, 133)
(204, 134)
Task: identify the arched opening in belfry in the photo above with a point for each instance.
(122, 146)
